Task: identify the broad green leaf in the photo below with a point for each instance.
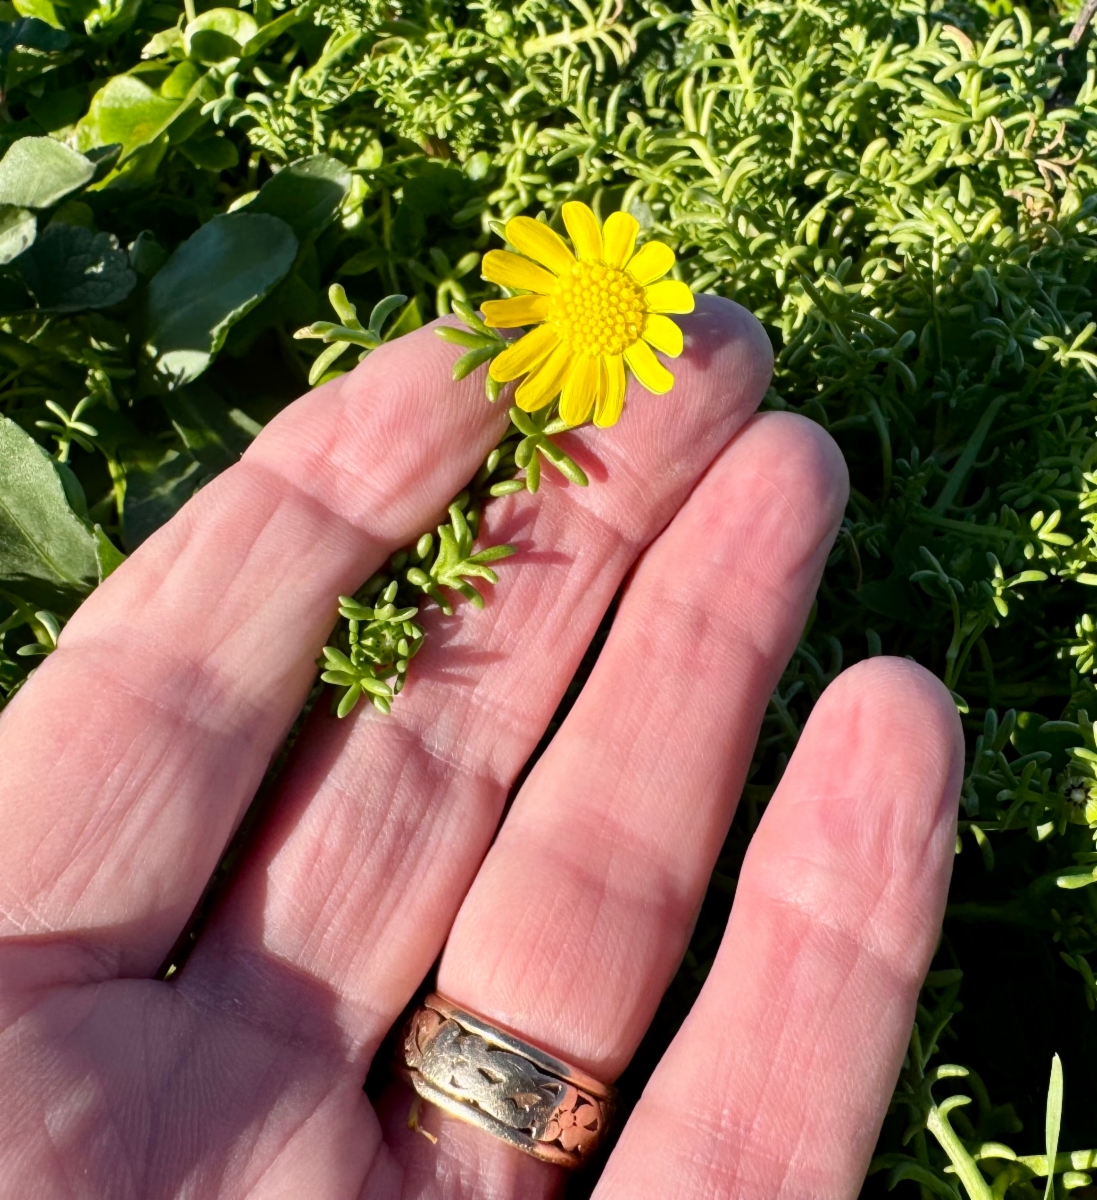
(17, 230)
(292, 303)
(33, 34)
(215, 434)
(108, 558)
(363, 262)
(218, 35)
(103, 158)
(25, 64)
(109, 18)
(73, 488)
(29, 48)
(214, 278)
(277, 27)
(306, 194)
(56, 109)
(163, 42)
(70, 268)
(189, 120)
(156, 490)
(74, 212)
(181, 80)
(137, 170)
(211, 153)
(43, 10)
(146, 254)
(45, 549)
(125, 111)
(37, 172)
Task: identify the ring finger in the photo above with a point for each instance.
(582, 909)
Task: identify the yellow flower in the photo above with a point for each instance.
(596, 311)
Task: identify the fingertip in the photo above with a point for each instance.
(820, 459)
(887, 733)
(909, 716)
(727, 350)
(837, 914)
(798, 456)
(869, 800)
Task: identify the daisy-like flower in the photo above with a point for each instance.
(597, 311)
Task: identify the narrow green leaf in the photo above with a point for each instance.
(349, 700)
(382, 310)
(468, 363)
(493, 554)
(1052, 1120)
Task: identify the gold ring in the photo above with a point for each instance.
(512, 1090)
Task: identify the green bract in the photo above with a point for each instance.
(904, 192)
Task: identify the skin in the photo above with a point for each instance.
(132, 754)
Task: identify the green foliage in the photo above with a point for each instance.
(380, 643)
(37, 172)
(217, 276)
(966, 1142)
(904, 191)
(45, 549)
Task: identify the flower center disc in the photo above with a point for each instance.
(598, 309)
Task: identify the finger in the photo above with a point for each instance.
(582, 910)
(198, 652)
(382, 822)
(779, 1080)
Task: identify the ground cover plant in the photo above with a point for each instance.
(905, 194)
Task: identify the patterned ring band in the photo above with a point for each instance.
(507, 1087)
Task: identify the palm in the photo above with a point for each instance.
(130, 757)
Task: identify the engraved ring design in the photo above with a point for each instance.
(512, 1090)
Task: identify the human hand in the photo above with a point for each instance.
(134, 751)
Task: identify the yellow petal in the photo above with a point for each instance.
(620, 237)
(669, 296)
(543, 384)
(612, 397)
(647, 368)
(508, 270)
(535, 240)
(650, 261)
(525, 354)
(580, 389)
(661, 332)
(582, 226)
(517, 311)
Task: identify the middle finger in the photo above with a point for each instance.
(583, 908)
(381, 822)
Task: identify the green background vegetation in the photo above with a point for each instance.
(905, 193)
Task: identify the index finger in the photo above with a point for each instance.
(129, 757)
